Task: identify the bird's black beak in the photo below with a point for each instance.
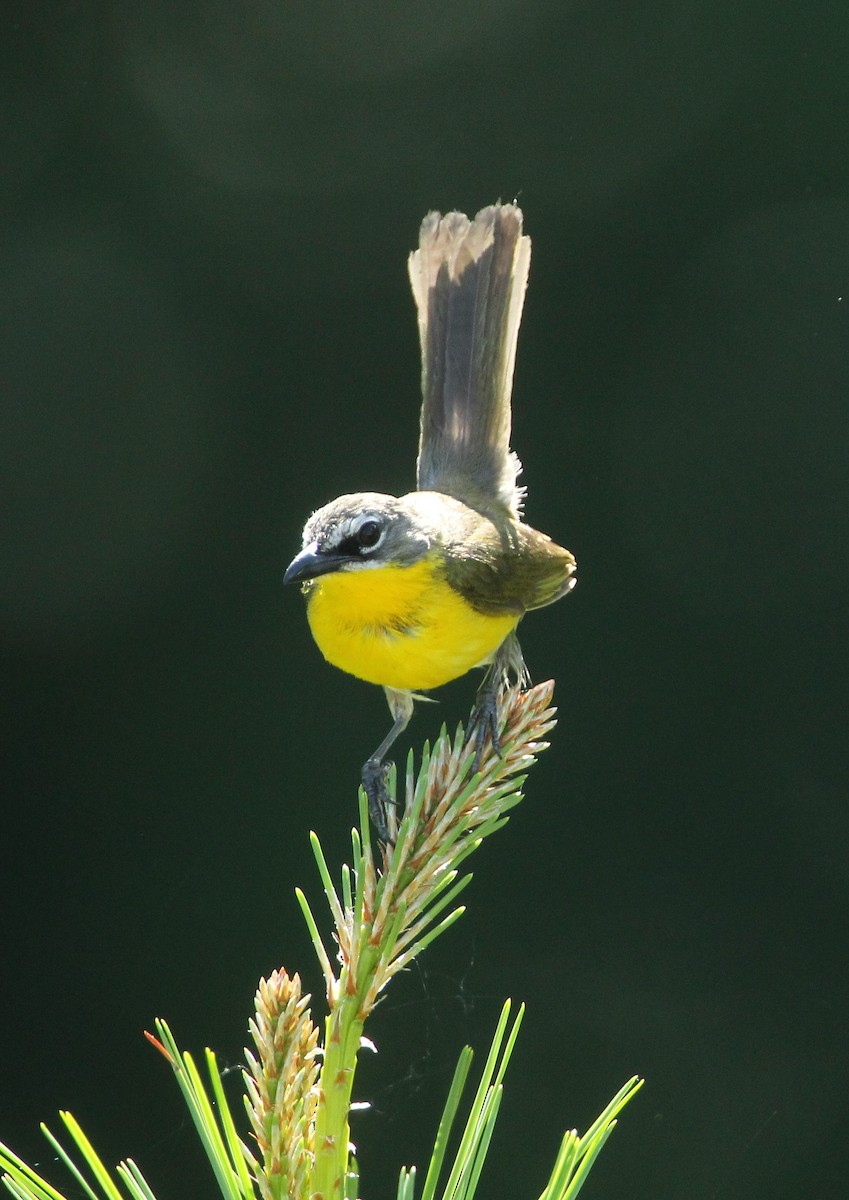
(312, 562)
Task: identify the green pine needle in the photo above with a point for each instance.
(389, 908)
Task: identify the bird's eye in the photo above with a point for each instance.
(368, 535)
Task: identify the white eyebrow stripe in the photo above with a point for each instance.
(351, 527)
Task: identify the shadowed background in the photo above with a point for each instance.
(206, 332)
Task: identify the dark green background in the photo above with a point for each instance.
(207, 332)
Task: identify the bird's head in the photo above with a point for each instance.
(357, 532)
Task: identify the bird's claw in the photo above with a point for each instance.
(484, 720)
(375, 776)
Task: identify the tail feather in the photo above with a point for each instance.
(468, 280)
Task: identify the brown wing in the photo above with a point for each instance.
(516, 571)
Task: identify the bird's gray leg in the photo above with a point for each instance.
(376, 768)
(506, 661)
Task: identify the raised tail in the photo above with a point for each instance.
(469, 280)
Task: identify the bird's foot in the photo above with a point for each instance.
(507, 664)
(375, 776)
(484, 720)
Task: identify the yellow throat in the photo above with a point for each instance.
(403, 627)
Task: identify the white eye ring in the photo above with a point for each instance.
(369, 534)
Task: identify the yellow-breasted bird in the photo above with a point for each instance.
(410, 592)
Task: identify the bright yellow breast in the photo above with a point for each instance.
(402, 627)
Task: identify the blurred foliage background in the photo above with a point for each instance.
(207, 333)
